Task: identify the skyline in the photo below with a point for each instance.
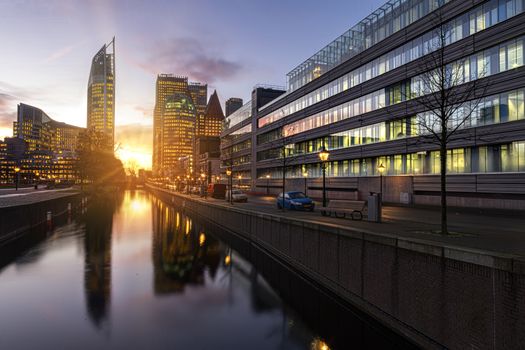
(54, 69)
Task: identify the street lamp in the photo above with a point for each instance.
(305, 175)
(381, 168)
(323, 155)
(17, 171)
(229, 173)
(239, 177)
(267, 184)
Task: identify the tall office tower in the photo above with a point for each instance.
(213, 117)
(199, 95)
(166, 85)
(101, 93)
(233, 104)
(178, 132)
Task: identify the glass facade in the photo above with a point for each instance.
(385, 21)
(494, 60)
(509, 157)
(500, 108)
(237, 117)
(477, 19)
(101, 93)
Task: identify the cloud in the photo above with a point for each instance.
(7, 110)
(59, 54)
(135, 135)
(187, 56)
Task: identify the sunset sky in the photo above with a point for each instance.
(47, 46)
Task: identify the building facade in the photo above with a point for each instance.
(178, 133)
(232, 104)
(238, 136)
(101, 92)
(41, 147)
(357, 97)
(168, 85)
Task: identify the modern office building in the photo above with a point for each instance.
(357, 97)
(101, 92)
(232, 104)
(168, 85)
(199, 95)
(178, 132)
(41, 146)
(238, 137)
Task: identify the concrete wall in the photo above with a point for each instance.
(437, 296)
(16, 220)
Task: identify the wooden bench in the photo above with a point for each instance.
(340, 208)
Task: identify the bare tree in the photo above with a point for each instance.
(449, 92)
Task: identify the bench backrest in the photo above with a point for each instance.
(346, 204)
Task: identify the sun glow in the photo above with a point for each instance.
(134, 158)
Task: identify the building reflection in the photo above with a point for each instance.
(97, 248)
(181, 252)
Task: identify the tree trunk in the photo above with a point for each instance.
(443, 171)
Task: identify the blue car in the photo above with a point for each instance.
(295, 200)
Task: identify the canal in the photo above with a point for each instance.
(131, 272)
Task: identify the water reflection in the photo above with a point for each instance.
(154, 277)
(97, 254)
(180, 256)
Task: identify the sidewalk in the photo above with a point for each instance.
(497, 233)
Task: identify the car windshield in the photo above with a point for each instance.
(236, 192)
(297, 195)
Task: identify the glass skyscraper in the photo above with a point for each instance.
(101, 92)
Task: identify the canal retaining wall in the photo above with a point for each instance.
(16, 220)
(437, 295)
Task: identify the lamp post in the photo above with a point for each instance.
(305, 176)
(37, 179)
(239, 177)
(323, 155)
(229, 174)
(203, 184)
(267, 184)
(381, 168)
(17, 172)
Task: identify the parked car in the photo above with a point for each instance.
(217, 191)
(237, 196)
(295, 200)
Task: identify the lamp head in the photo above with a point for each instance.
(324, 154)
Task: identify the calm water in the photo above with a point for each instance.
(133, 273)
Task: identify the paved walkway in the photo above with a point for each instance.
(502, 232)
(12, 198)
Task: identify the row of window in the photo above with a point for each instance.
(479, 18)
(509, 56)
(499, 108)
(240, 115)
(485, 159)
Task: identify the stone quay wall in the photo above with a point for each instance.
(16, 220)
(438, 296)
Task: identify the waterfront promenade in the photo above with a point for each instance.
(501, 232)
(427, 287)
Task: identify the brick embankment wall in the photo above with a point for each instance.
(436, 295)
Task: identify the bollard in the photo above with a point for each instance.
(68, 208)
(49, 219)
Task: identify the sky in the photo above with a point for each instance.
(232, 45)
